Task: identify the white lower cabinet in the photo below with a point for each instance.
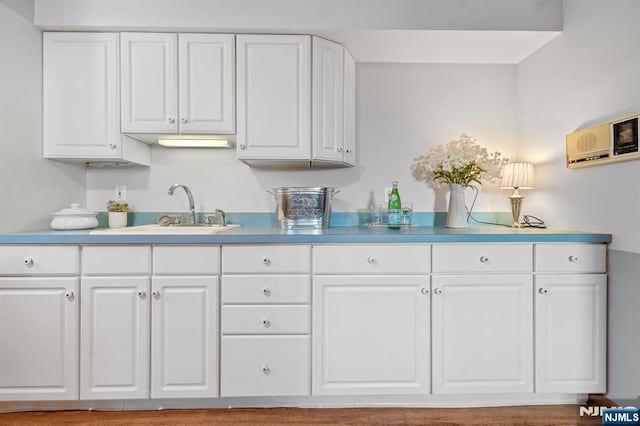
(265, 365)
(370, 335)
(184, 337)
(38, 338)
(149, 336)
(571, 333)
(114, 348)
(482, 334)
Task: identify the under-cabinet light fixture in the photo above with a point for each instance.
(195, 143)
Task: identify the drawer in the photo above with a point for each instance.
(265, 366)
(371, 259)
(186, 260)
(266, 289)
(38, 260)
(266, 319)
(266, 259)
(560, 257)
(107, 260)
(482, 258)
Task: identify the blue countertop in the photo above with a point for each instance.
(344, 234)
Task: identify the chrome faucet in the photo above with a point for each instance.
(192, 207)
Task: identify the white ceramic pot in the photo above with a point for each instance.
(117, 219)
(74, 217)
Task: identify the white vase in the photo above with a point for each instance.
(457, 214)
(117, 219)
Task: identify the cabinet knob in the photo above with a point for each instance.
(156, 294)
(573, 258)
(171, 120)
(266, 291)
(243, 146)
(266, 261)
(484, 259)
(372, 260)
(424, 290)
(266, 370)
(437, 291)
(340, 149)
(266, 323)
(543, 291)
(28, 262)
(112, 146)
(142, 294)
(348, 151)
(183, 120)
(69, 295)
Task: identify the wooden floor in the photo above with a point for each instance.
(555, 415)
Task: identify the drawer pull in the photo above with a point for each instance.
(543, 291)
(266, 323)
(28, 262)
(424, 290)
(266, 261)
(438, 291)
(372, 260)
(266, 291)
(266, 370)
(484, 259)
(573, 258)
(156, 294)
(142, 294)
(69, 295)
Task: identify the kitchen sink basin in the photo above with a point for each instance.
(154, 229)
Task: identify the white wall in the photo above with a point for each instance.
(403, 110)
(31, 186)
(586, 76)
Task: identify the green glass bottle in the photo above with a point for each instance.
(395, 207)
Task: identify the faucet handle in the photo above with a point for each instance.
(218, 217)
(169, 219)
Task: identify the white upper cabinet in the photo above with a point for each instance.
(349, 153)
(149, 83)
(274, 97)
(292, 104)
(178, 83)
(206, 83)
(328, 100)
(81, 100)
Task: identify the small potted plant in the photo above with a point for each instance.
(117, 214)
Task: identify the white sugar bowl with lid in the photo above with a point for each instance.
(74, 217)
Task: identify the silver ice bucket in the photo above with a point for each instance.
(300, 207)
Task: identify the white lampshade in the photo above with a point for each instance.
(517, 175)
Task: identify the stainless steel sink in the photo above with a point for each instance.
(181, 229)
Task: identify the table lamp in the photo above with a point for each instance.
(517, 176)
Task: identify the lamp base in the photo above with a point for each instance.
(516, 207)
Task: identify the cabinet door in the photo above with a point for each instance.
(81, 102)
(571, 321)
(206, 70)
(184, 349)
(114, 342)
(149, 83)
(482, 334)
(39, 339)
(349, 109)
(328, 100)
(274, 97)
(370, 335)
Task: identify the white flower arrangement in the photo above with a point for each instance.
(460, 161)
